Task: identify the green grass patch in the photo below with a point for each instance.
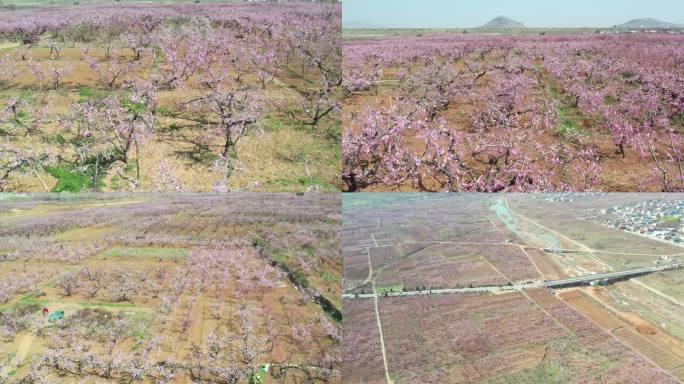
(279, 256)
(203, 155)
(317, 152)
(147, 252)
(100, 304)
(475, 317)
(545, 372)
(568, 115)
(669, 219)
(606, 366)
(567, 122)
(328, 277)
(81, 233)
(140, 332)
(678, 121)
(299, 183)
(311, 159)
(272, 123)
(389, 288)
(26, 95)
(29, 299)
(610, 99)
(69, 179)
(569, 129)
(282, 260)
(85, 92)
(163, 111)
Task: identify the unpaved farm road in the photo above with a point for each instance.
(388, 379)
(22, 352)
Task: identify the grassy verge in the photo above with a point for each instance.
(295, 274)
(147, 252)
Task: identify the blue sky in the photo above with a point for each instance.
(533, 13)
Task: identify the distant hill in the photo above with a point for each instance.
(361, 25)
(503, 22)
(647, 23)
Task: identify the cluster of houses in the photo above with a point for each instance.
(568, 196)
(621, 32)
(661, 219)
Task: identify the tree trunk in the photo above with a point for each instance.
(351, 183)
(137, 160)
(97, 160)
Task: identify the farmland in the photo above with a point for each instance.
(170, 97)
(479, 112)
(449, 289)
(159, 288)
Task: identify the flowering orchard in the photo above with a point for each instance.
(479, 338)
(514, 113)
(170, 288)
(403, 247)
(170, 97)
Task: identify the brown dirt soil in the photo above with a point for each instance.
(642, 336)
(274, 303)
(642, 326)
(618, 174)
(548, 270)
(278, 158)
(599, 315)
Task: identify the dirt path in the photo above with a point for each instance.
(121, 203)
(522, 249)
(388, 380)
(377, 315)
(24, 346)
(370, 273)
(381, 268)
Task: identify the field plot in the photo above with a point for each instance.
(459, 294)
(243, 288)
(506, 112)
(170, 97)
(361, 344)
(395, 231)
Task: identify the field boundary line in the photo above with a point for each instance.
(657, 292)
(382, 338)
(532, 261)
(629, 347)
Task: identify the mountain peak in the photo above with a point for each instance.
(647, 23)
(502, 22)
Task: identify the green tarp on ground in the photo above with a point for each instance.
(56, 315)
(257, 377)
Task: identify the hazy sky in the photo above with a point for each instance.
(532, 13)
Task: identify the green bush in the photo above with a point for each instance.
(70, 179)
